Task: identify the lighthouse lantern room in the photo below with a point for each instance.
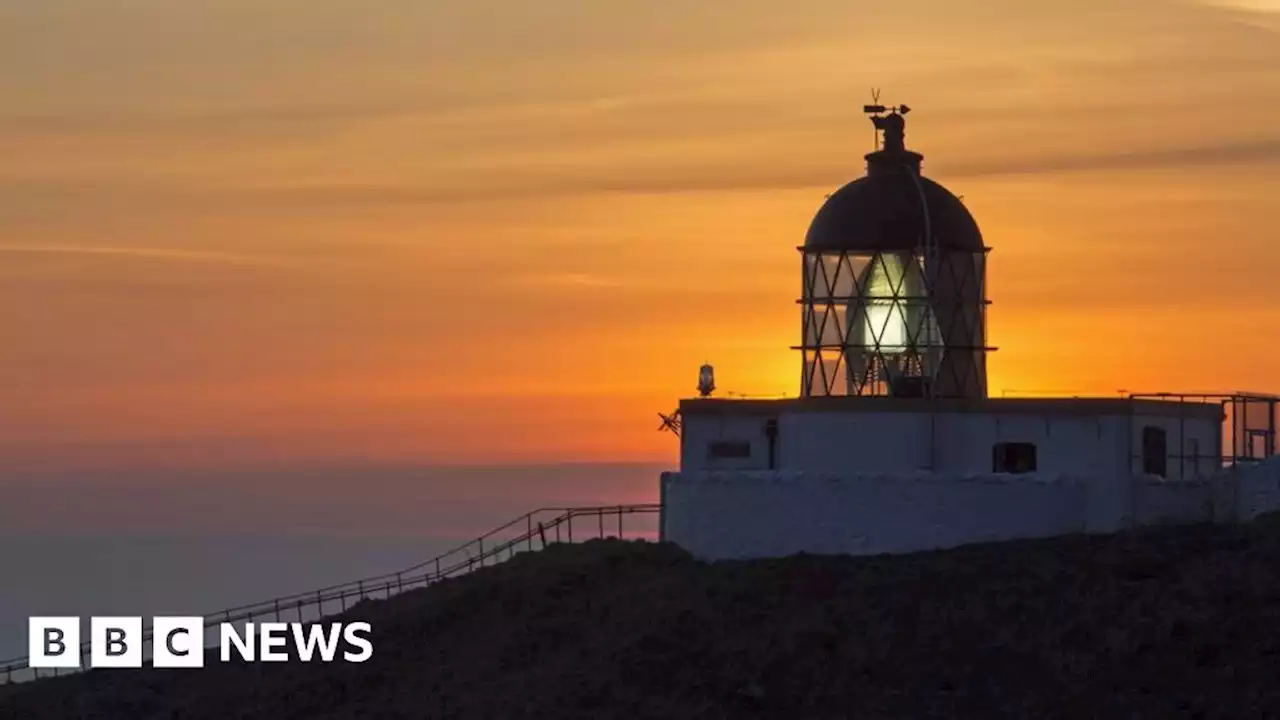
(893, 300)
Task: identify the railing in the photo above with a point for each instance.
(543, 527)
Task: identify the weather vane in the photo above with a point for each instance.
(892, 125)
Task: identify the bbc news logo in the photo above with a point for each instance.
(178, 642)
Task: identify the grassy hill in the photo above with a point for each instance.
(1163, 623)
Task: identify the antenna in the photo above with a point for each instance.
(874, 108)
(671, 422)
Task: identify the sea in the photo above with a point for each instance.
(193, 543)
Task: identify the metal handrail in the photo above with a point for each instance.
(452, 563)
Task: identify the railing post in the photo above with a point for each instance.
(437, 567)
(299, 609)
(399, 582)
(481, 542)
(528, 521)
(319, 605)
(277, 603)
(620, 535)
(600, 517)
(542, 533)
(360, 589)
(559, 522)
(570, 527)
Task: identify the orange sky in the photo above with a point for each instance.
(283, 231)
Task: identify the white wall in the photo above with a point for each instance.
(699, 431)
(1258, 489)
(873, 442)
(899, 442)
(1159, 502)
(1185, 437)
(761, 514)
(720, 515)
(1065, 444)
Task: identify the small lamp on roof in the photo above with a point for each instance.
(706, 380)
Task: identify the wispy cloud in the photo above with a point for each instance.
(1255, 152)
(761, 176)
(1250, 5)
(1263, 15)
(538, 181)
(583, 280)
(160, 254)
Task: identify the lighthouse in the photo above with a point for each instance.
(893, 301)
(893, 443)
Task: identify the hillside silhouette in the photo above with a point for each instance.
(1161, 623)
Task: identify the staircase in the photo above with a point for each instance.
(529, 532)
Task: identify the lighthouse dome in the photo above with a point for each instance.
(882, 212)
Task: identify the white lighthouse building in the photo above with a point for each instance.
(893, 444)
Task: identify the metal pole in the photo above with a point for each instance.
(1182, 439)
(929, 261)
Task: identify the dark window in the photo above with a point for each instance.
(728, 449)
(1154, 451)
(1013, 457)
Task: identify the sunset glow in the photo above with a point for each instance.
(281, 232)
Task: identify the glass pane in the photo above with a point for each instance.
(810, 268)
(844, 285)
(861, 267)
(810, 324)
(913, 284)
(887, 325)
(886, 276)
(826, 279)
(833, 328)
(835, 372)
(921, 327)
